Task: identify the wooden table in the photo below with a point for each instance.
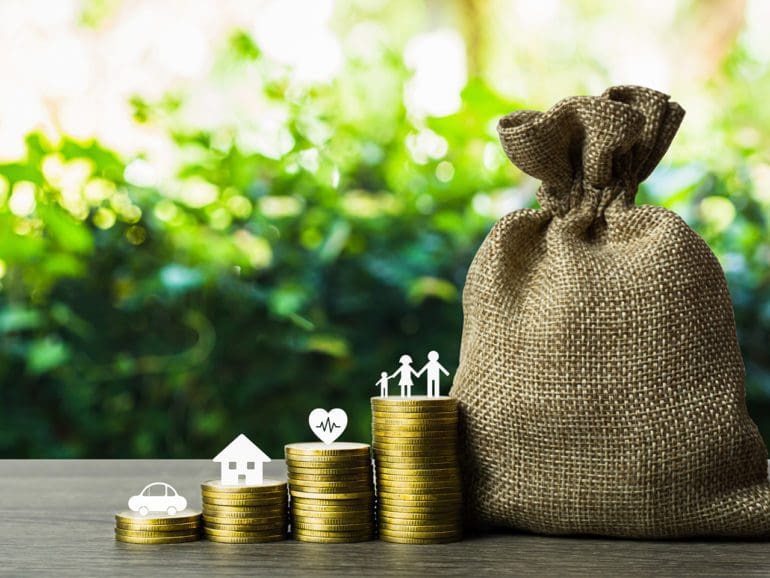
(57, 518)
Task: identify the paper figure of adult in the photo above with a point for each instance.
(434, 370)
(405, 373)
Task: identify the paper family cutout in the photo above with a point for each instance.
(432, 368)
(157, 497)
(328, 425)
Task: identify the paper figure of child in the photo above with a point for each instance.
(405, 373)
(434, 370)
(383, 383)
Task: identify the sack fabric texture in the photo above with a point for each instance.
(600, 381)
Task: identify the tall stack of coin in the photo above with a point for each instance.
(245, 514)
(134, 528)
(332, 492)
(419, 489)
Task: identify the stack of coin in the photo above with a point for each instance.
(245, 514)
(134, 528)
(332, 492)
(419, 488)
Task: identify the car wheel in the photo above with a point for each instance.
(143, 510)
(171, 510)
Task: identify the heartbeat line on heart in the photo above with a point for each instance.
(328, 425)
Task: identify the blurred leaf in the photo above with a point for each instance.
(70, 234)
(425, 287)
(46, 354)
(19, 318)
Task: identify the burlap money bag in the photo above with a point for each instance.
(600, 380)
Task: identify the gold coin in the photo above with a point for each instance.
(439, 494)
(326, 471)
(401, 497)
(398, 533)
(424, 473)
(410, 512)
(454, 520)
(403, 540)
(335, 533)
(331, 492)
(333, 484)
(411, 467)
(335, 492)
(328, 461)
(301, 510)
(152, 534)
(237, 502)
(416, 407)
(422, 456)
(249, 540)
(214, 522)
(334, 520)
(415, 452)
(414, 419)
(161, 540)
(431, 505)
(333, 539)
(445, 437)
(437, 508)
(415, 400)
(315, 467)
(415, 416)
(270, 497)
(385, 460)
(129, 517)
(158, 527)
(332, 495)
(267, 488)
(274, 526)
(314, 449)
(331, 500)
(416, 444)
(245, 511)
(391, 469)
(419, 481)
(396, 419)
(334, 517)
(257, 533)
(418, 526)
(332, 523)
(428, 508)
(327, 526)
(334, 509)
(427, 483)
(410, 434)
(363, 475)
(433, 445)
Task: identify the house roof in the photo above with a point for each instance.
(242, 448)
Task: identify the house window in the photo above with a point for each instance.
(249, 465)
(233, 466)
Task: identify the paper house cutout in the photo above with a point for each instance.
(241, 462)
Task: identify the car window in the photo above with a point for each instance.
(170, 491)
(155, 490)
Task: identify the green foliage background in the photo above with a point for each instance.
(149, 326)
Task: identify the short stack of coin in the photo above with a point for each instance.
(332, 492)
(419, 488)
(134, 528)
(245, 514)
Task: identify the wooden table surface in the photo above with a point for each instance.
(57, 519)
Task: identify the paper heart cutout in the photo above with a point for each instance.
(328, 425)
